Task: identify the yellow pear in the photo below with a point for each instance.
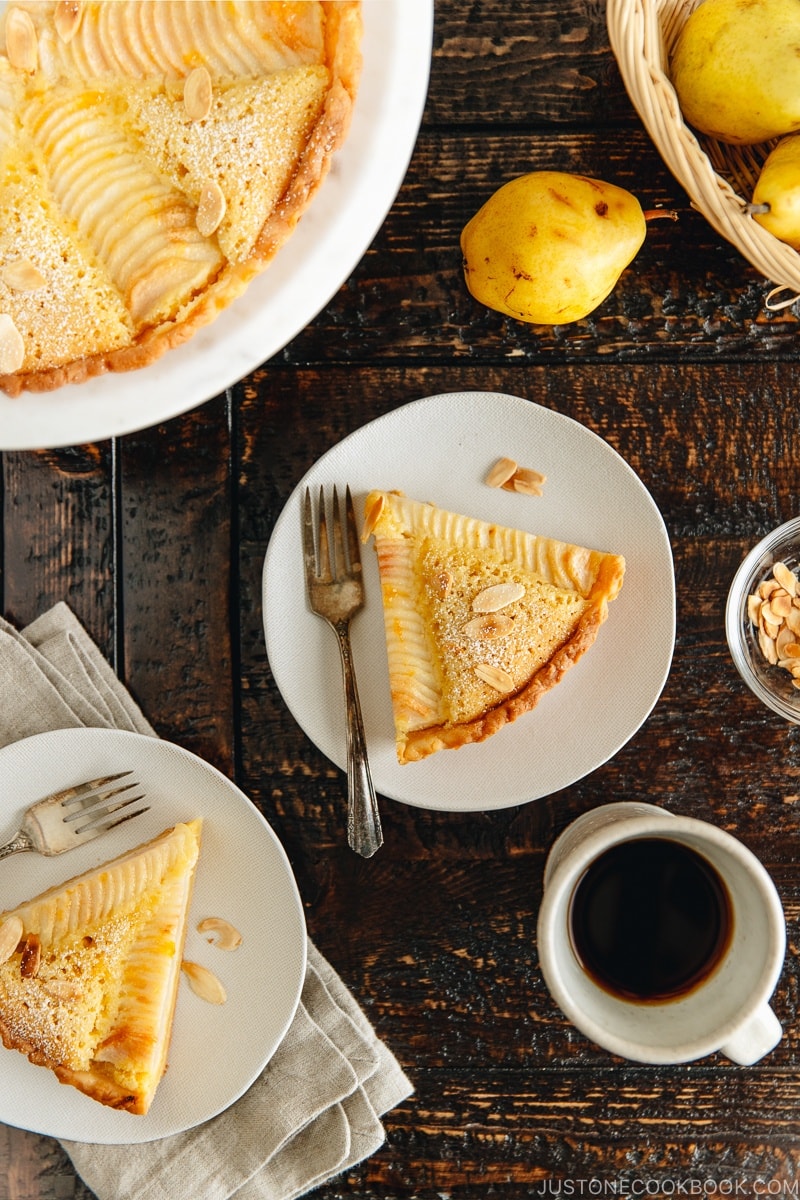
(776, 196)
(736, 69)
(548, 247)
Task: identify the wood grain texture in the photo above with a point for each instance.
(157, 540)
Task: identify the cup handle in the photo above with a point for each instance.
(755, 1039)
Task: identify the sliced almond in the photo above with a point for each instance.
(31, 956)
(766, 588)
(500, 473)
(224, 935)
(22, 276)
(211, 209)
(498, 596)
(22, 46)
(785, 577)
(793, 621)
(204, 983)
(12, 347)
(62, 989)
(496, 677)
(198, 94)
(519, 483)
(371, 517)
(488, 626)
(67, 18)
(10, 936)
(783, 641)
(767, 647)
(753, 609)
(441, 584)
(781, 604)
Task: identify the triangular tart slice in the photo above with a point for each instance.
(481, 620)
(89, 988)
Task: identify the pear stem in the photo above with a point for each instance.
(753, 209)
(653, 214)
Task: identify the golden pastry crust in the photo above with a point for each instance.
(481, 620)
(103, 119)
(98, 1009)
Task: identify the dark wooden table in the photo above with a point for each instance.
(157, 541)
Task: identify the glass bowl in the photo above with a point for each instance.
(772, 684)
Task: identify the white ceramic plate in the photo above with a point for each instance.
(321, 254)
(439, 449)
(243, 875)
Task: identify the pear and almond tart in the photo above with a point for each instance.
(89, 971)
(154, 156)
(481, 620)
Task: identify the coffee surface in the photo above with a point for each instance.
(650, 919)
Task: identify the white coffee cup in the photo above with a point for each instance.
(727, 1011)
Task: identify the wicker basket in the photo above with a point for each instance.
(718, 178)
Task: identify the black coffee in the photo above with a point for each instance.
(650, 919)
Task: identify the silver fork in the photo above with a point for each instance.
(74, 815)
(336, 593)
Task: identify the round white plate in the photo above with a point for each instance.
(243, 875)
(329, 242)
(439, 449)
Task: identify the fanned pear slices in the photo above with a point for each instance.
(481, 620)
(90, 971)
(154, 157)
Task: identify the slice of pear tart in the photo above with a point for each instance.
(481, 620)
(91, 968)
(154, 157)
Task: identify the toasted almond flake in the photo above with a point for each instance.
(12, 347)
(11, 932)
(67, 18)
(500, 473)
(488, 626)
(766, 588)
(518, 484)
(31, 956)
(204, 983)
(211, 209)
(62, 989)
(527, 475)
(498, 596)
(769, 616)
(784, 639)
(371, 517)
(781, 604)
(224, 935)
(753, 609)
(198, 94)
(441, 584)
(767, 647)
(22, 46)
(496, 677)
(785, 577)
(793, 621)
(22, 276)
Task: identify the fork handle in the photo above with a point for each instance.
(19, 842)
(364, 834)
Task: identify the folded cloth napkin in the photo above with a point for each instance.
(315, 1110)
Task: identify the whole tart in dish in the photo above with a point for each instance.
(91, 971)
(154, 156)
(481, 620)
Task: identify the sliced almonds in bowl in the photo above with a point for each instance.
(774, 610)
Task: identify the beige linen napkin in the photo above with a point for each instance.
(315, 1110)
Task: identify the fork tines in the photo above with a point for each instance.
(90, 801)
(317, 552)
